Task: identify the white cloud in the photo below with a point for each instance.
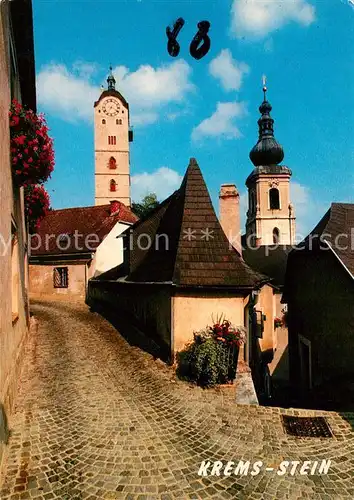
(308, 211)
(222, 122)
(148, 90)
(163, 182)
(228, 70)
(260, 17)
(67, 94)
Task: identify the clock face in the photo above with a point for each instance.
(111, 107)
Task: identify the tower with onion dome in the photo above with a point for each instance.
(270, 216)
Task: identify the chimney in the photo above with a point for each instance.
(229, 207)
(115, 206)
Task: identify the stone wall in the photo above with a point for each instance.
(146, 306)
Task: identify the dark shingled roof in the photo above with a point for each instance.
(191, 259)
(86, 221)
(269, 260)
(339, 220)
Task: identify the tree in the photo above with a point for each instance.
(146, 206)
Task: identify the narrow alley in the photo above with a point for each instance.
(96, 418)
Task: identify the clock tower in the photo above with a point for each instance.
(112, 138)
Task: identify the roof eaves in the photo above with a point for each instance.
(339, 259)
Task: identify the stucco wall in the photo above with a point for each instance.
(41, 281)
(320, 308)
(109, 253)
(193, 311)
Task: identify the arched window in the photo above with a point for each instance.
(112, 164)
(276, 236)
(253, 202)
(103, 122)
(118, 121)
(112, 185)
(274, 202)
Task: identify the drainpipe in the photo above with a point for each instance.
(252, 302)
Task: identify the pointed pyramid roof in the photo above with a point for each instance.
(188, 246)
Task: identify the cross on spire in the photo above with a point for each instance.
(264, 81)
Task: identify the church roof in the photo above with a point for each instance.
(96, 221)
(198, 253)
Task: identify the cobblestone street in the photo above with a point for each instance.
(96, 418)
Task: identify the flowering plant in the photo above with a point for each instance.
(223, 331)
(278, 322)
(32, 152)
(37, 205)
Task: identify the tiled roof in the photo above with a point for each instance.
(198, 252)
(83, 221)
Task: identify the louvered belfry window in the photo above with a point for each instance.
(61, 277)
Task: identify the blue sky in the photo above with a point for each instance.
(208, 109)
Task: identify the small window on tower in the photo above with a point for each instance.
(274, 201)
(112, 185)
(112, 140)
(104, 121)
(119, 121)
(112, 164)
(276, 237)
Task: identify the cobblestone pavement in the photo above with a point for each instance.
(98, 419)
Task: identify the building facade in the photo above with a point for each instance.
(17, 81)
(319, 291)
(112, 140)
(74, 244)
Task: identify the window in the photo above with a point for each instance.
(103, 122)
(276, 237)
(112, 140)
(112, 164)
(60, 277)
(112, 185)
(118, 122)
(274, 202)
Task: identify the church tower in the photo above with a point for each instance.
(270, 216)
(112, 138)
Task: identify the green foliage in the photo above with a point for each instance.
(146, 206)
(207, 363)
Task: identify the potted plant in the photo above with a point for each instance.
(212, 356)
(32, 154)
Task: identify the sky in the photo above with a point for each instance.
(208, 109)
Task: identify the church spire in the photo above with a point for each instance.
(111, 80)
(267, 151)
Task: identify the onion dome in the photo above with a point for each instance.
(267, 151)
(111, 80)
